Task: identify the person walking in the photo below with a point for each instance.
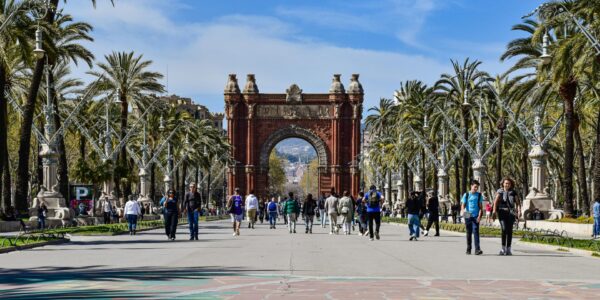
(191, 204)
(106, 210)
(262, 205)
(131, 212)
(345, 207)
(251, 209)
(322, 211)
(507, 206)
(471, 206)
(433, 207)
(488, 211)
(308, 211)
(373, 201)
(331, 206)
(272, 208)
(291, 208)
(414, 207)
(596, 214)
(361, 213)
(171, 213)
(42, 214)
(235, 206)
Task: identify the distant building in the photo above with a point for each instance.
(197, 111)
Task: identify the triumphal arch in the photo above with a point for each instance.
(330, 122)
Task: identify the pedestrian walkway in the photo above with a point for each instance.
(266, 263)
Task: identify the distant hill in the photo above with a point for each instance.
(294, 148)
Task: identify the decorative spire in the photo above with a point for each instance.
(251, 87)
(355, 87)
(232, 86)
(336, 86)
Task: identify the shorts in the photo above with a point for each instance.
(236, 218)
(487, 213)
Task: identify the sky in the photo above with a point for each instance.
(197, 42)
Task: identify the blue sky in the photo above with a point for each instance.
(304, 42)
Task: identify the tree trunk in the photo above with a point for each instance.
(405, 178)
(411, 177)
(152, 181)
(525, 170)
(183, 177)
(82, 147)
(3, 115)
(22, 184)
(501, 128)
(567, 93)
(581, 175)
(465, 162)
(596, 176)
(424, 170)
(123, 151)
(435, 176)
(457, 180)
(6, 183)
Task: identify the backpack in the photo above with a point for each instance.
(374, 199)
(272, 206)
(321, 203)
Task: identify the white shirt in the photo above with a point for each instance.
(132, 208)
(107, 206)
(251, 202)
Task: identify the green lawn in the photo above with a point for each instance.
(10, 242)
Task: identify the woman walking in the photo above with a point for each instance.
(308, 211)
(132, 211)
(171, 213)
(345, 207)
(507, 206)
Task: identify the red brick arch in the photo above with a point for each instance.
(330, 122)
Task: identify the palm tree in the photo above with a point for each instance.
(466, 82)
(126, 77)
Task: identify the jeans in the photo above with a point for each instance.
(292, 222)
(193, 223)
(472, 229)
(362, 219)
(434, 218)
(308, 221)
(132, 222)
(374, 216)
(323, 217)
(171, 224)
(272, 218)
(42, 223)
(413, 225)
(507, 220)
(596, 226)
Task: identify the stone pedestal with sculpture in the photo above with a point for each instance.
(538, 197)
(58, 211)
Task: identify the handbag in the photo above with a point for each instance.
(345, 210)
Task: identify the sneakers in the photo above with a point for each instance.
(377, 235)
(234, 233)
(502, 252)
(508, 252)
(468, 252)
(426, 233)
(412, 237)
(478, 252)
(294, 230)
(310, 231)
(371, 239)
(331, 232)
(306, 231)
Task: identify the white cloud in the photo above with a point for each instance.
(200, 55)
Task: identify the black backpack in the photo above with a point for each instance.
(374, 199)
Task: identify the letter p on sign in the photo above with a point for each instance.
(80, 191)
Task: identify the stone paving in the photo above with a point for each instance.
(272, 264)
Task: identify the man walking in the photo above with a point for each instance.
(272, 209)
(235, 206)
(308, 211)
(191, 204)
(107, 210)
(433, 208)
(291, 208)
(373, 201)
(413, 207)
(596, 211)
(331, 206)
(251, 209)
(471, 206)
(131, 211)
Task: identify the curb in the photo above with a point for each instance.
(36, 245)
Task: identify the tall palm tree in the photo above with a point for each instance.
(127, 77)
(465, 83)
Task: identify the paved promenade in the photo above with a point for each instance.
(272, 264)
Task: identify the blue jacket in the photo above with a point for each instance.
(596, 209)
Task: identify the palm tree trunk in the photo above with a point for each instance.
(596, 176)
(183, 176)
(152, 179)
(406, 180)
(424, 170)
(410, 181)
(567, 92)
(457, 180)
(581, 175)
(3, 115)
(525, 170)
(22, 184)
(501, 128)
(123, 154)
(435, 177)
(6, 183)
(82, 147)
